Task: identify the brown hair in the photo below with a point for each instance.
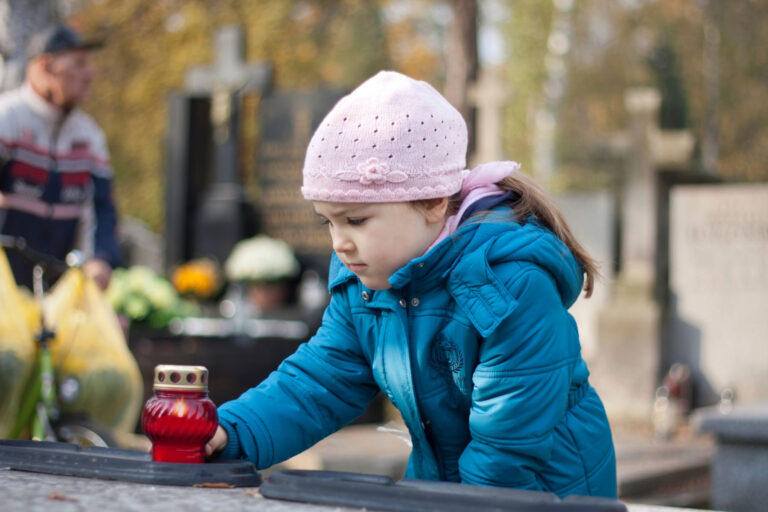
(533, 200)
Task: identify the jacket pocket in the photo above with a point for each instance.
(480, 293)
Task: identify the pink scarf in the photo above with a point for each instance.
(476, 184)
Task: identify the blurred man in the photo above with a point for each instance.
(55, 176)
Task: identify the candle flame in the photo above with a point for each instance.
(180, 408)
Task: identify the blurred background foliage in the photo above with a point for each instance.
(151, 43)
(614, 45)
(620, 44)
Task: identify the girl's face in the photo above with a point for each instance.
(374, 240)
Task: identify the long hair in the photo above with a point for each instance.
(533, 200)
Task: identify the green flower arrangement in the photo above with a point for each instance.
(144, 296)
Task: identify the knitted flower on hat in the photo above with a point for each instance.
(392, 139)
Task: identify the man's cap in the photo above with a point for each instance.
(59, 38)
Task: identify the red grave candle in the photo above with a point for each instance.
(180, 419)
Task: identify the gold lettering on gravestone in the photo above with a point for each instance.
(718, 276)
(282, 172)
(274, 149)
(719, 238)
(286, 214)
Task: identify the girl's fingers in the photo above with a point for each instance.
(217, 442)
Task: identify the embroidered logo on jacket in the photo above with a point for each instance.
(446, 357)
(447, 361)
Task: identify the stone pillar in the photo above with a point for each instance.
(638, 220)
(489, 95)
(626, 365)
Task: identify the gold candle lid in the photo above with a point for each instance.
(181, 377)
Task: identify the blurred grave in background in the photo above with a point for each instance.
(718, 289)
(206, 209)
(626, 363)
(235, 362)
(692, 279)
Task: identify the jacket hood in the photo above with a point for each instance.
(479, 245)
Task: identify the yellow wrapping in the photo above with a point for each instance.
(31, 310)
(17, 346)
(91, 346)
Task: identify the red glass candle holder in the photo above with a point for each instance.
(180, 419)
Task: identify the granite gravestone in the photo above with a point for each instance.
(288, 120)
(719, 287)
(188, 171)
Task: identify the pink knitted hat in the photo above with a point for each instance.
(392, 139)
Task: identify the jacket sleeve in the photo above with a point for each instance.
(8, 134)
(105, 240)
(521, 386)
(101, 224)
(323, 386)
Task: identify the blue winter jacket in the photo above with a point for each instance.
(473, 344)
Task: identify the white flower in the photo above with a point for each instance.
(139, 278)
(118, 288)
(261, 258)
(161, 294)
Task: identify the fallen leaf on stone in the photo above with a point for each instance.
(253, 492)
(61, 497)
(215, 485)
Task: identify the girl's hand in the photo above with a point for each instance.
(99, 271)
(217, 442)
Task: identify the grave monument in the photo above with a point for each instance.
(206, 210)
(626, 369)
(719, 284)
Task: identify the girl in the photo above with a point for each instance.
(449, 292)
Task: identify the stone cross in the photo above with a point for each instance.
(489, 95)
(228, 77)
(219, 223)
(625, 372)
(648, 149)
(229, 69)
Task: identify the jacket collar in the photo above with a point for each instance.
(472, 251)
(338, 273)
(47, 111)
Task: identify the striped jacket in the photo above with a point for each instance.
(55, 181)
